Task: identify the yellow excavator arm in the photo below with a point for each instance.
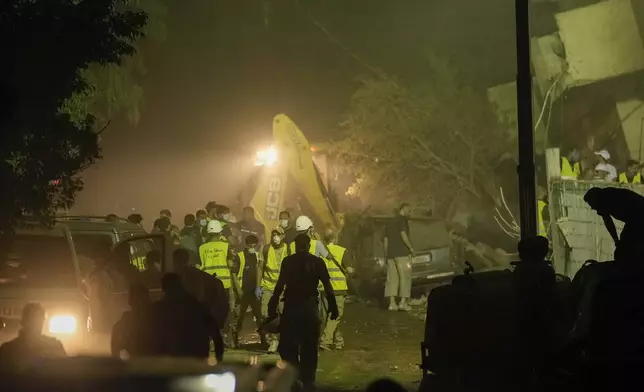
(292, 166)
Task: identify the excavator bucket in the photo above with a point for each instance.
(294, 149)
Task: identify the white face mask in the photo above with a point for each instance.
(284, 223)
(277, 239)
(251, 251)
(203, 222)
(224, 217)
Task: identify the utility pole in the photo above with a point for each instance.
(526, 169)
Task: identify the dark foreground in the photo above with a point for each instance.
(379, 344)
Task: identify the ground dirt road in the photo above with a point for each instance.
(378, 343)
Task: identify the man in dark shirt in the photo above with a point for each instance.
(251, 226)
(132, 333)
(30, 345)
(286, 228)
(300, 325)
(246, 265)
(206, 288)
(185, 326)
(399, 253)
(191, 236)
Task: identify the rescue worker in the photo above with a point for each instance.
(304, 225)
(331, 335)
(286, 227)
(246, 263)
(570, 165)
(251, 226)
(131, 334)
(299, 323)
(217, 259)
(604, 169)
(632, 174)
(187, 326)
(267, 273)
(30, 345)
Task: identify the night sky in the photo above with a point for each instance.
(214, 85)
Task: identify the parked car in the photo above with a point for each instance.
(432, 265)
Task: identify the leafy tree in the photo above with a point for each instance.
(113, 89)
(429, 140)
(46, 46)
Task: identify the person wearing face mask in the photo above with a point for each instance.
(304, 225)
(268, 272)
(202, 222)
(246, 263)
(223, 216)
(288, 231)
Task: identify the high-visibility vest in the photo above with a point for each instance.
(623, 179)
(311, 247)
(338, 280)
(214, 257)
(541, 205)
(272, 267)
(242, 264)
(138, 261)
(568, 170)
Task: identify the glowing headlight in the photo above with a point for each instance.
(267, 157)
(62, 324)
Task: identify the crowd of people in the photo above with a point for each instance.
(294, 282)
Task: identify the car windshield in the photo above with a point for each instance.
(38, 261)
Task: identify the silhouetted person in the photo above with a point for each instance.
(299, 325)
(30, 345)
(132, 333)
(385, 385)
(137, 219)
(112, 218)
(621, 204)
(611, 316)
(184, 326)
(534, 283)
(204, 287)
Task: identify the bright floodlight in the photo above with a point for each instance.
(266, 157)
(62, 324)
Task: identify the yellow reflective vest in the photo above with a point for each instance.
(138, 261)
(272, 267)
(541, 205)
(214, 257)
(311, 247)
(568, 170)
(338, 280)
(623, 179)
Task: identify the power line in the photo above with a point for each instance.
(335, 40)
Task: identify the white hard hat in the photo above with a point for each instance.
(214, 227)
(303, 223)
(603, 153)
